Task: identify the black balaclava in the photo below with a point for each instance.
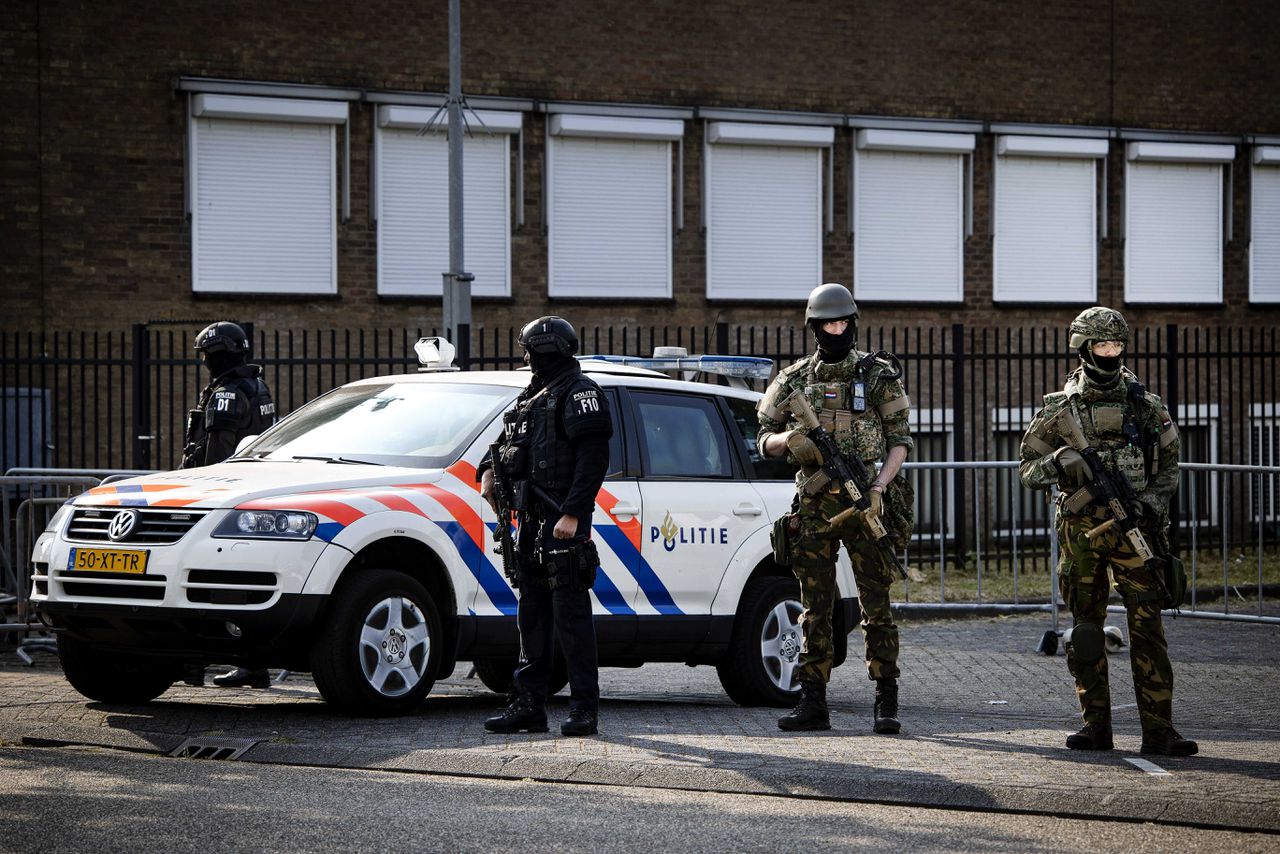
(1102, 371)
(548, 365)
(834, 348)
(221, 362)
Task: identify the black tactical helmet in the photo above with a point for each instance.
(550, 335)
(831, 301)
(222, 337)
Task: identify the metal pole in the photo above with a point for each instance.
(457, 284)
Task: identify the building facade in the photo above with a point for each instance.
(994, 164)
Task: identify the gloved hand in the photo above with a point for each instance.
(1072, 470)
(876, 497)
(802, 449)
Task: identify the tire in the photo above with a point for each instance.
(498, 674)
(764, 649)
(114, 677)
(378, 652)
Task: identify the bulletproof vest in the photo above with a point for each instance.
(839, 393)
(1111, 424)
(534, 450)
(239, 401)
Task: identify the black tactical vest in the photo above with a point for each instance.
(545, 457)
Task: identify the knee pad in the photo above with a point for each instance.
(1087, 642)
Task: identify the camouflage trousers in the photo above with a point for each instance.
(1086, 573)
(814, 565)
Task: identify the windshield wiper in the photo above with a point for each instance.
(347, 460)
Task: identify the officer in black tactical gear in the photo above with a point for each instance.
(236, 403)
(550, 463)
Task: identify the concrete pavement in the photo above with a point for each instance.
(984, 721)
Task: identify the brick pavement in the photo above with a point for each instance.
(984, 720)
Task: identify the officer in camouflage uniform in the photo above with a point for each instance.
(860, 400)
(1136, 438)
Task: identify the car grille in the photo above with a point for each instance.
(153, 527)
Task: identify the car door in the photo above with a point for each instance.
(696, 510)
(616, 530)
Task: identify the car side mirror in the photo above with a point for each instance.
(245, 442)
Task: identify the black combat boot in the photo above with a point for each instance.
(886, 708)
(1166, 742)
(522, 715)
(580, 722)
(1092, 736)
(811, 712)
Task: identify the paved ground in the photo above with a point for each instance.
(984, 718)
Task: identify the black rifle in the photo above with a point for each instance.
(503, 543)
(850, 472)
(196, 441)
(1117, 495)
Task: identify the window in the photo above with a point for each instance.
(412, 201)
(263, 185)
(763, 209)
(748, 424)
(1173, 222)
(1264, 224)
(909, 215)
(1015, 507)
(1198, 436)
(934, 438)
(608, 203)
(1045, 226)
(681, 436)
(1264, 450)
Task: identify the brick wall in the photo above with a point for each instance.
(92, 230)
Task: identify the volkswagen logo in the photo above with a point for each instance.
(122, 524)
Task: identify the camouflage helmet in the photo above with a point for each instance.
(831, 301)
(1098, 324)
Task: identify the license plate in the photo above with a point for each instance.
(107, 560)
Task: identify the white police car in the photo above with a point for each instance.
(350, 540)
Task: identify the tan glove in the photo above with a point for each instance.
(1072, 470)
(876, 498)
(802, 449)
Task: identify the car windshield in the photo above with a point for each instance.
(420, 425)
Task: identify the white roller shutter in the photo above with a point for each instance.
(609, 212)
(1173, 232)
(764, 221)
(1264, 245)
(264, 218)
(1045, 238)
(908, 226)
(413, 212)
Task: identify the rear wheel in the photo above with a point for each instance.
(498, 674)
(379, 651)
(111, 677)
(760, 668)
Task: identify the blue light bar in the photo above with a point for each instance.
(742, 367)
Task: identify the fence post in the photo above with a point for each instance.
(722, 338)
(463, 345)
(1171, 400)
(141, 398)
(957, 426)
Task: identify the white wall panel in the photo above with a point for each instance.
(413, 212)
(609, 207)
(1264, 245)
(1045, 241)
(1173, 232)
(908, 226)
(264, 218)
(764, 221)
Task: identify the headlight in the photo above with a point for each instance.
(58, 518)
(268, 524)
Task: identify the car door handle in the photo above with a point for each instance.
(745, 509)
(621, 509)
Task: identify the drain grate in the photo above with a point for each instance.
(209, 747)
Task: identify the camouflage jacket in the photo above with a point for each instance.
(1146, 453)
(865, 412)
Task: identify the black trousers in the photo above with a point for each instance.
(562, 615)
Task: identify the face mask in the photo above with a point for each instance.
(548, 364)
(833, 348)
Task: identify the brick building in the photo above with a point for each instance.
(991, 163)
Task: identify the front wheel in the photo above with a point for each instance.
(761, 666)
(114, 677)
(379, 650)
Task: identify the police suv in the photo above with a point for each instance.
(350, 540)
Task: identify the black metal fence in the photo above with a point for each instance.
(118, 399)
